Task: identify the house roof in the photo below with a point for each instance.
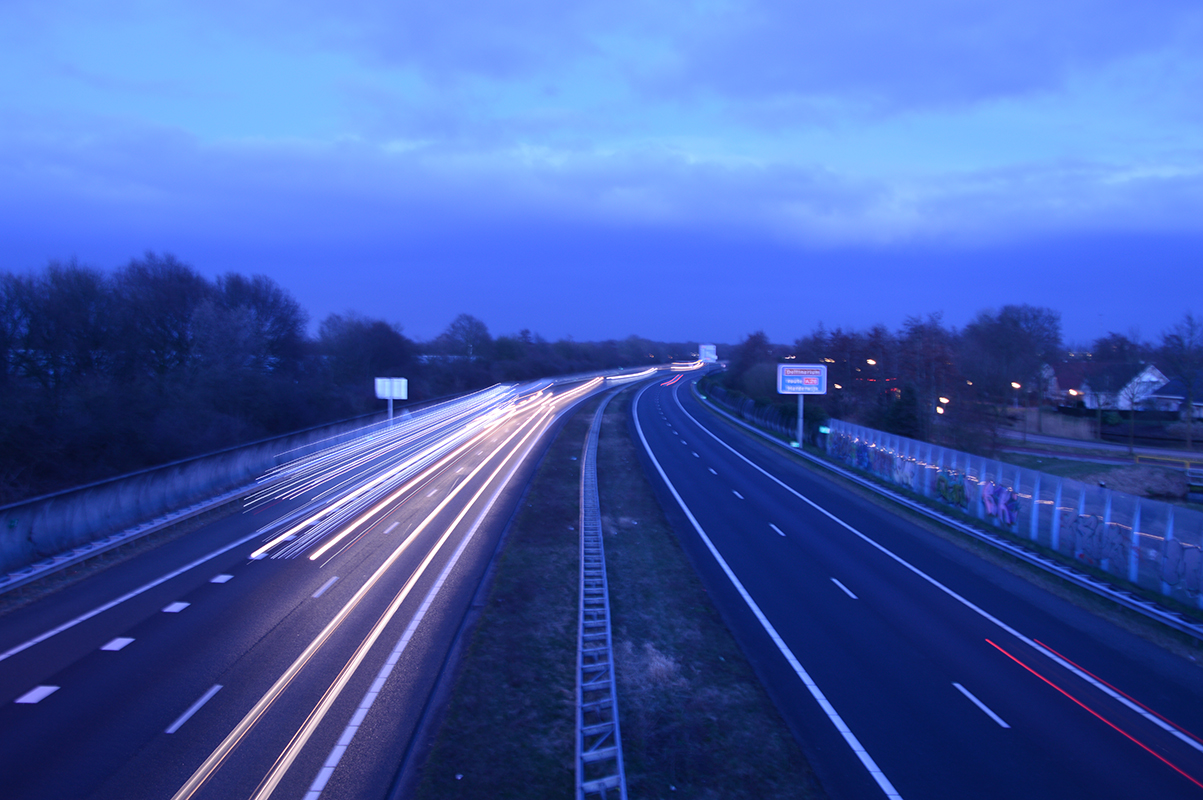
(1175, 388)
(1100, 376)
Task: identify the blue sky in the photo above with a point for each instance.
(683, 171)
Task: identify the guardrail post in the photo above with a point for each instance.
(1165, 549)
(1034, 525)
(1106, 562)
(1055, 536)
(1134, 545)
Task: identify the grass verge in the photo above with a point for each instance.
(695, 721)
(508, 728)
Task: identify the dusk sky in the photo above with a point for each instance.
(685, 171)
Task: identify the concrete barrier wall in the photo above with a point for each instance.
(40, 528)
(45, 527)
(1156, 545)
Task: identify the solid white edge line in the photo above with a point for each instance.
(1102, 687)
(882, 781)
(980, 705)
(192, 709)
(847, 591)
(352, 727)
(131, 594)
(325, 586)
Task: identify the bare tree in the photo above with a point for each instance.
(275, 317)
(1012, 346)
(1182, 354)
(926, 352)
(156, 299)
(468, 336)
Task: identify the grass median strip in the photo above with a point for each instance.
(695, 720)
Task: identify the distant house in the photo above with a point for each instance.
(1096, 384)
(1171, 396)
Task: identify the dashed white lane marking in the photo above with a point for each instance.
(847, 591)
(176, 607)
(712, 472)
(192, 709)
(117, 644)
(37, 694)
(695, 454)
(882, 781)
(458, 471)
(432, 493)
(392, 527)
(220, 578)
(980, 705)
(1056, 659)
(779, 531)
(325, 586)
(737, 494)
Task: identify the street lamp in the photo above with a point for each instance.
(1016, 387)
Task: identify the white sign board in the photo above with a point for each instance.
(707, 353)
(392, 388)
(802, 379)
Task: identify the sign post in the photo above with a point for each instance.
(801, 379)
(392, 389)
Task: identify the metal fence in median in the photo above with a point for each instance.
(1153, 544)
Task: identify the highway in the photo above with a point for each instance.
(287, 650)
(907, 666)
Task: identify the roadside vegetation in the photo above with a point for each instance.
(695, 721)
(104, 373)
(1006, 374)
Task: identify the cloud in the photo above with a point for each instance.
(889, 55)
(156, 184)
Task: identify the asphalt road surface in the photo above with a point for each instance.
(907, 666)
(287, 650)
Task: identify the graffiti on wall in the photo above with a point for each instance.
(877, 460)
(883, 463)
(1000, 502)
(950, 487)
(1182, 566)
(1095, 542)
(904, 472)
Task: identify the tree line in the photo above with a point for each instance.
(933, 382)
(104, 373)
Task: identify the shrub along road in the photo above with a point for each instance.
(695, 721)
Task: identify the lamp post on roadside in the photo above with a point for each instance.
(1017, 387)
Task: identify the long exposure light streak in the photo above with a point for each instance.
(210, 765)
(536, 425)
(422, 460)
